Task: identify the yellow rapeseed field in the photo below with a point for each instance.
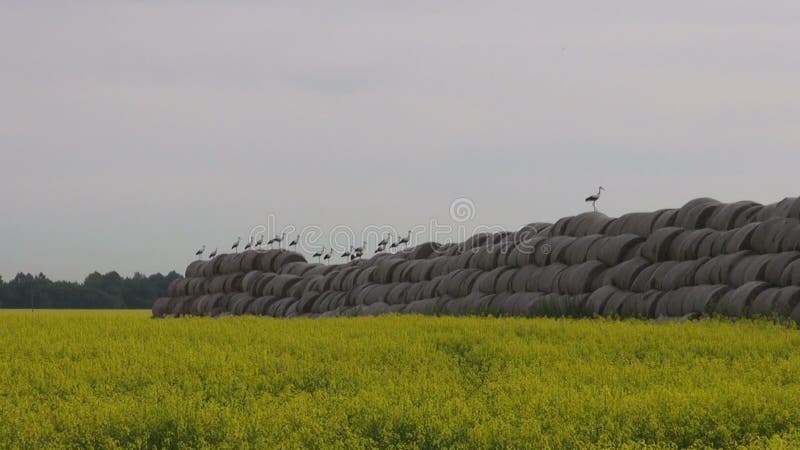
(107, 379)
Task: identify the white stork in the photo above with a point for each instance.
(199, 253)
(595, 198)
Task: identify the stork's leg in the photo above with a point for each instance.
(594, 205)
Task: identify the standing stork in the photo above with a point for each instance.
(384, 241)
(346, 253)
(249, 244)
(212, 254)
(295, 242)
(380, 248)
(328, 255)
(279, 239)
(260, 240)
(318, 254)
(404, 241)
(360, 249)
(595, 198)
(235, 245)
(199, 253)
(394, 244)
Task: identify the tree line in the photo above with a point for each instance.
(108, 290)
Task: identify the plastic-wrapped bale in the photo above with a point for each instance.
(681, 274)
(424, 251)
(702, 299)
(178, 287)
(460, 283)
(279, 308)
(614, 303)
(259, 305)
(619, 248)
(644, 279)
(739, 239)
(425, 306)
(229, 263)
(402, 273)
(306, 302)
(487, 281)
(656, 248)
(224, 284)
(496, 305)
(578, 279)
(791, 274)
(657, 280)
(596, 302)
(519, 304)
(560, 227)
(296, 268)
(265, 260)
(588, 223)
(749, 268)
(160, 307)
(688, 245)
(384, 270)
(197, 286)
(503, 283)
(546, 280)
(299, 288)
(239, 303)
(779, 209)
(247, 261)
(474, 241)
(696, 216)
(279, 285)
(337, 283)
(786, 302)
(439, 266)
(414, 292)
(623, 275)
(577, 253)
(250, 281)
(182, 306)
(559, 246)
(398, 294)
(376, 293)
(763, 304)
(525, 251)
(374, 309)
(523, 276)
(286, 257)
(557, 305)
(777, 264)
(195, 268)
(640, 224)
(260, 286)
(666, 218)
(421, 271)
(724, 218)
(717, 270)
(639, 304)
(485, 258)
(208, 304)
(477, 304)
(737, 302)
(768, 235)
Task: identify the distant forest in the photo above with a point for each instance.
(96, 291)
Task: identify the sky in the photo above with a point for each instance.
(132, 133)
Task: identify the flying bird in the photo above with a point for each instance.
(595, 198)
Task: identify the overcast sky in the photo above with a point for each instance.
(131, 133)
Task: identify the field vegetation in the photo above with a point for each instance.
(107, 379)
